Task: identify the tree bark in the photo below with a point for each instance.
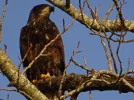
(23, 85)
(92, 23)
(103, 83)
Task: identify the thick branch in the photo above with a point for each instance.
(110, 25)
(74, 81)
(19, 81)
(105, 81)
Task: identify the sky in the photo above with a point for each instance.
(16, 17)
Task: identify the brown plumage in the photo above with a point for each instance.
(38, 32)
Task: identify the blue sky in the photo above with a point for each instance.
(16, 17)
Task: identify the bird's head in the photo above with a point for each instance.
(40, 12)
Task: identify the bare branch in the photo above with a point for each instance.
(2, 18)
(107, 55)
(117, 53)
(11, 72)
(90, 95)
(8, 97)
(120, 13)
(7, 89)
(102, 80)
(109, 11)
(81, 66)
(88, 22)
(64, 73)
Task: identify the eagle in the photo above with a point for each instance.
(34, 36)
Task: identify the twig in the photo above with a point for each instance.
(81, 9)
(130, 72)
(96, 18)
(8, 97)
(90, 95)
(108, 39)
(126, 73)
(81, 66)
(114, 40)
(102, 41)
(8, 89)
(106, 53)
(109, 11)
(63, 76)
(120, 13)
(112, 56)
(5, 48)
(64, 73)
(117, 53)
(64, 24)
(2, 18)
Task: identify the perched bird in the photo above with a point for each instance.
(37, 33)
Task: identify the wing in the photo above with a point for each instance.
(25, 47)
(24, 38)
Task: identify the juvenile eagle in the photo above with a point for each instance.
(37, 33)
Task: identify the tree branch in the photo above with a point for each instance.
(21, 83)
(2, 18)
(110, 25)
(104, 81)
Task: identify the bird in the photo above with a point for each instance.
(34, 36)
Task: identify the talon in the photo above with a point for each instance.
(45, 75)
(34, 81)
